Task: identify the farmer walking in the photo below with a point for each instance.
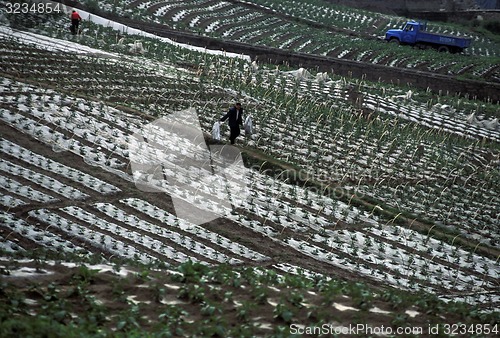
(75, 22)
(235, 116)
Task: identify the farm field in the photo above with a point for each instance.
(353, 203)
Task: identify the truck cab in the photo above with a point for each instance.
(406, 34)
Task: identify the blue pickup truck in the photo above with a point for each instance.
(415, 34)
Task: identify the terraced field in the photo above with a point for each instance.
(359, 202)
(317, 27)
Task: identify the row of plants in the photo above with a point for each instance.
(29, 157)
(9, 201)
(42, 180)
(166, 218)
(103, 242)
(21, 190)
(197, 248)
(44, 237)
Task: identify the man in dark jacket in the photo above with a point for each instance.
(235, 116)
(75, 22)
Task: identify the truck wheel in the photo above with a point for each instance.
(443, 49)
(394, 41)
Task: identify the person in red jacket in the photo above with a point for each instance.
(75, 22)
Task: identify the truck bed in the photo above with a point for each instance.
(442, 39)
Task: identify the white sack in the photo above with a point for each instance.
(216, 131)
(248, 126)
